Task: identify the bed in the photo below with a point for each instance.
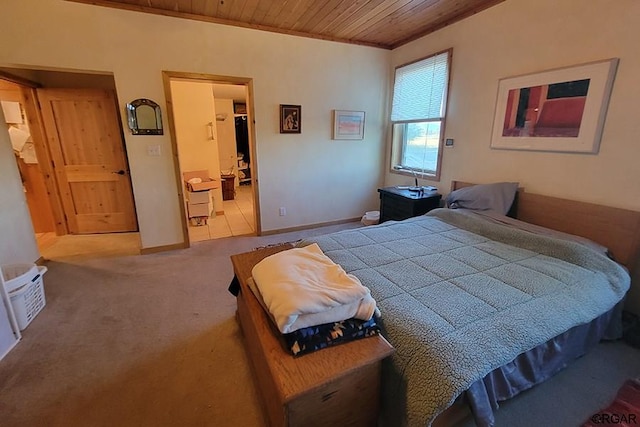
(461, 345)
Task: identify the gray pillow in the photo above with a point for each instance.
(497, 197)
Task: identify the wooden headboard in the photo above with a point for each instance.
(615, 228)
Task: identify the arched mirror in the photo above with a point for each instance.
(144, 117)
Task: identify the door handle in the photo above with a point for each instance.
(120, 172)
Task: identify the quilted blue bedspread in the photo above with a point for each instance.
(461, 296)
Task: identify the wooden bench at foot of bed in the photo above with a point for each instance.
(339, 385)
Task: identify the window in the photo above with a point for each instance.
(418, 115)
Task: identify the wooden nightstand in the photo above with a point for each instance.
(400, 203)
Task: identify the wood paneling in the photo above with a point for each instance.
(381, 23)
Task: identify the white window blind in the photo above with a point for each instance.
(419, 91)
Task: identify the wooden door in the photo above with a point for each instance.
(33, 180)
(85, 140)
(35, 192)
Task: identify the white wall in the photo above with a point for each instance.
(519, 37)
(17, 240)
(193, 110)
(315, 178)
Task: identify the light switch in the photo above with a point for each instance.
(153, 150)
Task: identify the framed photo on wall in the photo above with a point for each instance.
(348, 124)
(290, 118)
(557, 110)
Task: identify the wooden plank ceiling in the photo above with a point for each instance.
(380, 23)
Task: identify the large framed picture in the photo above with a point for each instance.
(348, 124)
(290, 118)
(556, 110)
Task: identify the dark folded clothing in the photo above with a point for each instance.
(307, 340)
(234, 286)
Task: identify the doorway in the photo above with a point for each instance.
(212, 134)
(75, 202)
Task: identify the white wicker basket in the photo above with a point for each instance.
(24, 285)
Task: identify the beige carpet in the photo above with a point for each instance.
(135, 341)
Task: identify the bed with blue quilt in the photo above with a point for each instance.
(480, 307)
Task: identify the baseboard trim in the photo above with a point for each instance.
(309, 226)
(156, 249)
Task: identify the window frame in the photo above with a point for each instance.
(398, 146)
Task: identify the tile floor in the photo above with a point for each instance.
(69, 247)
(237, 220)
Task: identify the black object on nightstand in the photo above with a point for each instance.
(398, 203)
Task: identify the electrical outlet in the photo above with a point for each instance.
(153, 150)
(283, 211)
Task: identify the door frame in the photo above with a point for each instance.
(40, 138)
(167, 76)
(41, 145)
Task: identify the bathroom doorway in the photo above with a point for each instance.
(213, 137)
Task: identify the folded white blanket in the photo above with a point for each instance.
(334, 314)
(302, 287)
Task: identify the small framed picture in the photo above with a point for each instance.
(348, 124)
(290, 118)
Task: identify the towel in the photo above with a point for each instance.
(331, 315)
(302, 285)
